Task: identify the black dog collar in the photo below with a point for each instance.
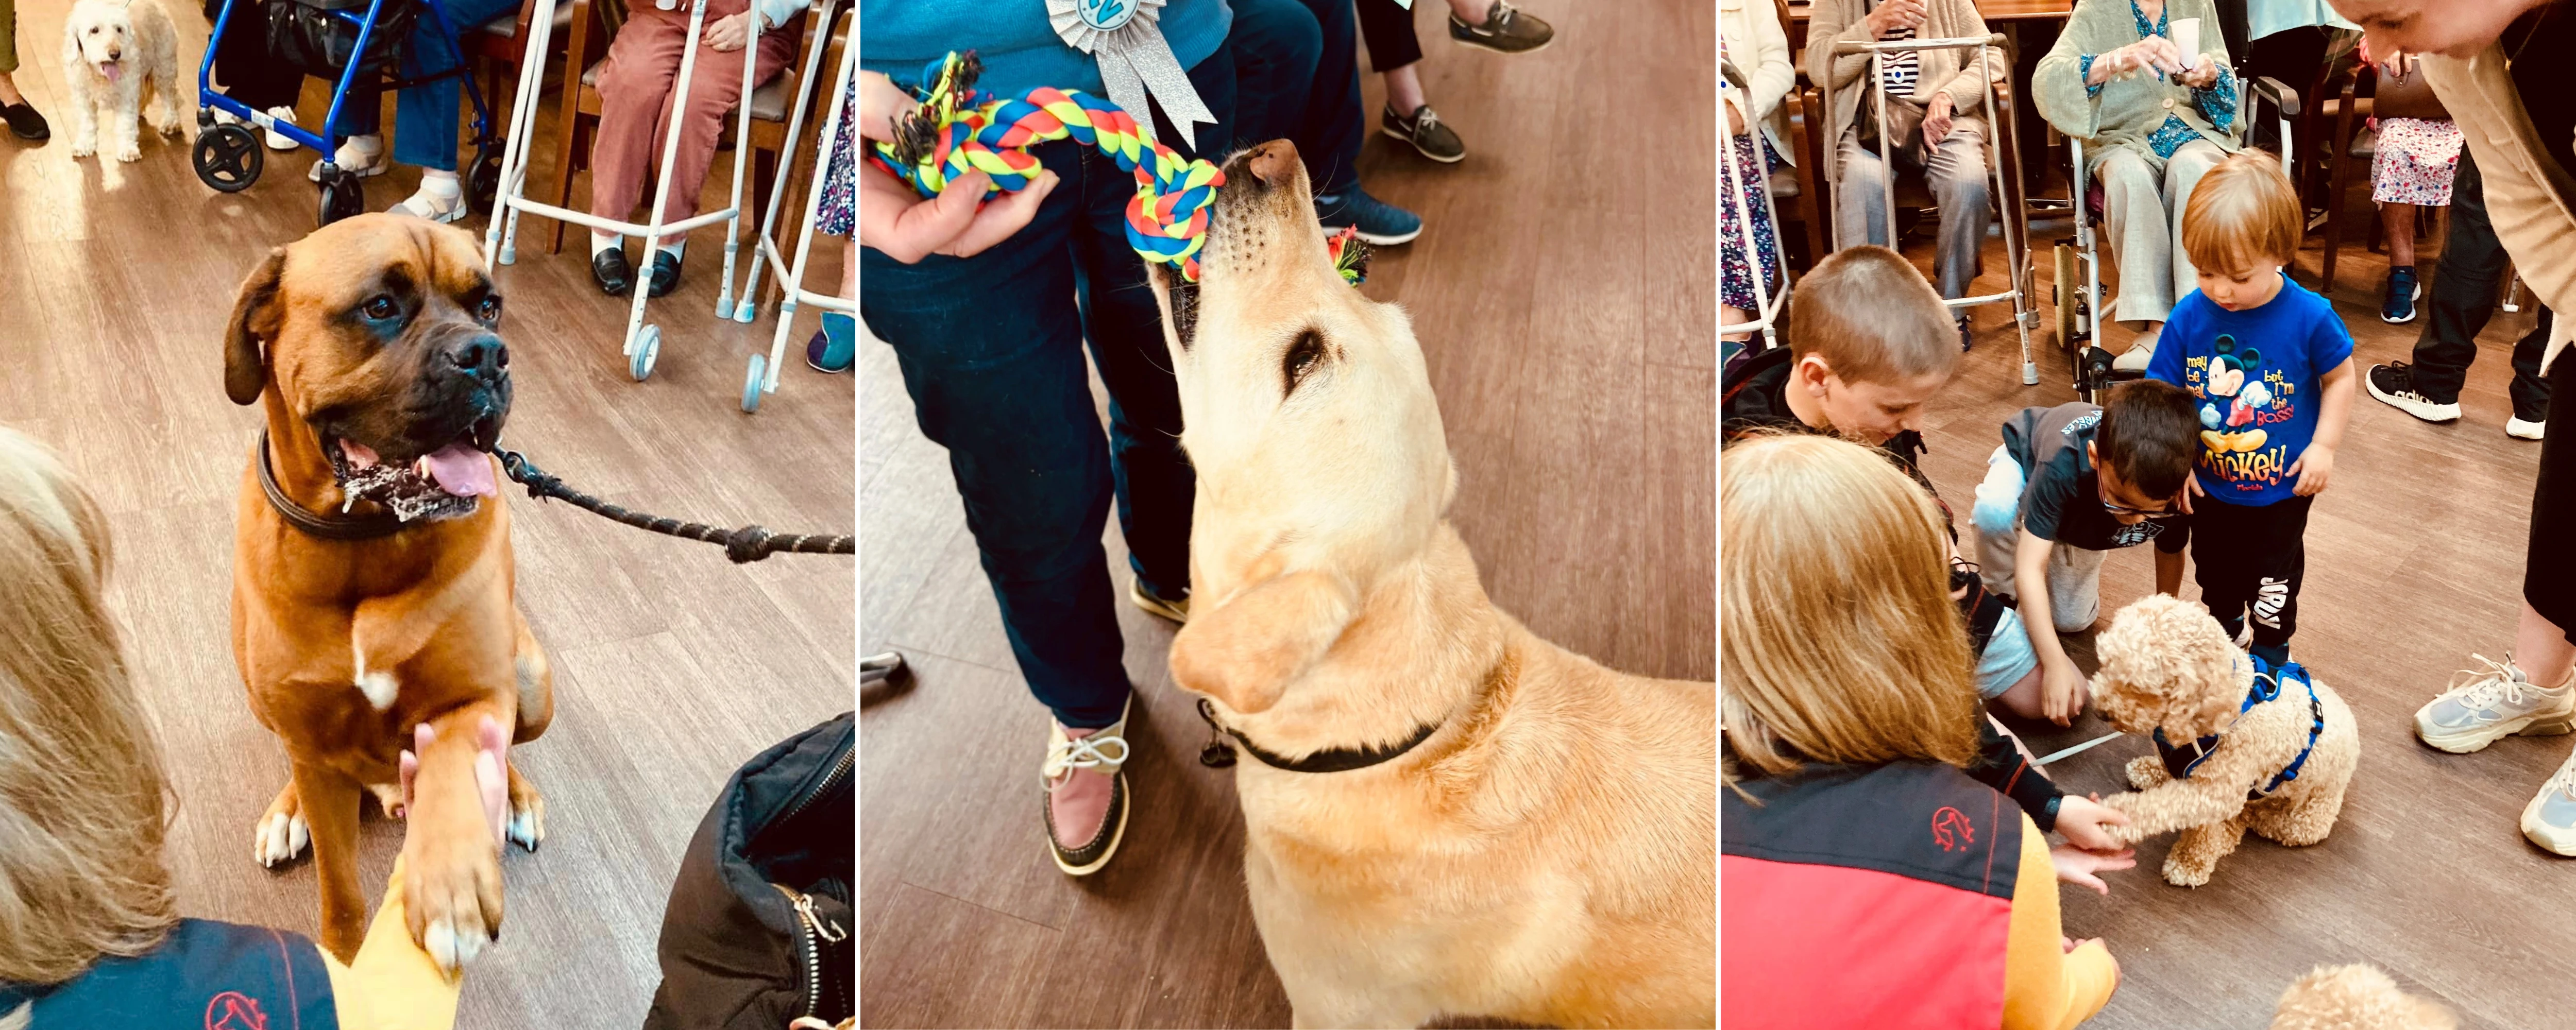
(1218, 755)
(381, 524)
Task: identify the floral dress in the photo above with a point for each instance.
(839, 210)
(2415, 161)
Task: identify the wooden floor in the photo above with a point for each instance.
(1567, 319)
(2414, 561)
(672, 666)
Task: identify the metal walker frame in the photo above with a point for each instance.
(762, 377)
(1769, 297)
(643, 341)
(2006, 194)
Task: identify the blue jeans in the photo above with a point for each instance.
(425, 118)
(991, 349)
(1298, 65)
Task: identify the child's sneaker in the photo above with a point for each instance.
(1504, 30)
(2496, 702)
(2403, 290)
(2394, 383)
(1426, 132)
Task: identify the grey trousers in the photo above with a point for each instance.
(1955, 171)
(2142, 207)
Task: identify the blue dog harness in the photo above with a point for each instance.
(2182, 761)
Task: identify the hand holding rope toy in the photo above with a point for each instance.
(958, 130)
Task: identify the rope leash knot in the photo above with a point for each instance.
(957, 130)
(747, 544)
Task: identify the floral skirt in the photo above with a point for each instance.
(839, 210)
(2415, 162)
(1735, 275)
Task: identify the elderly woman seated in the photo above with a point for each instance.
(635, 92)
(2153, 120)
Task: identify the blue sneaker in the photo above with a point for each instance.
(1380, 223)
(833, 349)
(2403, 289)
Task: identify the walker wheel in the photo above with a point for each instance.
(751, 382)
(343, 196)
(648, 347)
(228, 158)
(483, 182)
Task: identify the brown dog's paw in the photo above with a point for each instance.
(451, 876)
(527, 826)
(2146, 771)
(281, 832)
(2182, 875)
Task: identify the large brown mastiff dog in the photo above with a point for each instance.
(371, 564)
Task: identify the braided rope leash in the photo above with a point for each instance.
(747, 544)
(957, 131)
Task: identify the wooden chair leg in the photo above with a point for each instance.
(2341, 162)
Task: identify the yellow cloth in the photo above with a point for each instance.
(394, 985)
(2045, 986)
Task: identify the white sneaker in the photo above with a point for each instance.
(2521, 430)
(277, 140)
(2494, 703)
(2549, 820)
(352, 157)
(2394, 385)
(2140, 352)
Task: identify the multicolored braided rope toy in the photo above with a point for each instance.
(958, 130)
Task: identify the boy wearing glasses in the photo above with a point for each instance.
(2070, 484)
(2269, 366)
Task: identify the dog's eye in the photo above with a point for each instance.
(380, 307)
(489, 310)
(1301, 359)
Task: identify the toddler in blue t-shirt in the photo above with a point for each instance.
(2270, 366)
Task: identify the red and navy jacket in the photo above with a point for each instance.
(1875, 898)
(205, 976)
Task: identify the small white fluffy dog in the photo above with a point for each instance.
(112, 49)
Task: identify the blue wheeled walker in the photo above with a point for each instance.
(340, 40)
(762, 376)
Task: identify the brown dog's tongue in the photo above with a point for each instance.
(462, 470)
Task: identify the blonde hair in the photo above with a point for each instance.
(2242, 210)
(1839, 641)
(1873, 318)
(84, 801)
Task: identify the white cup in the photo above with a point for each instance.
(2186, 38)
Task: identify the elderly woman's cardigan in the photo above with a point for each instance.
(2143, 113)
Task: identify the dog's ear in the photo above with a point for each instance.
(1247, 650)
(71, 45)
(255, 318)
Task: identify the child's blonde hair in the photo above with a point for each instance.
(2242, 211)
(1839, 642)
(1873, 317)
(84, 802)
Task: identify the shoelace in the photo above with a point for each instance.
(2497, 683)
(1497, 21)
(1083, 753)
(2564, 780)
(1429, 120)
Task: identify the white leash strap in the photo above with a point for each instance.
(1135, 60)
(2079, 748)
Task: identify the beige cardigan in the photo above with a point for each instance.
(2530, 199)
(1942, 71)
(1755, 45)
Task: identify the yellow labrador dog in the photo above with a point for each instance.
(1447, 817)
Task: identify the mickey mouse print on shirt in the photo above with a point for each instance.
(2239, 398)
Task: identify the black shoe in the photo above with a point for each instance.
(2398, 306)
(25, 123)
(1505, 30)
(614, 274)
(1964, 338)
(2394, 384)
(666, 274)
(1426, 132)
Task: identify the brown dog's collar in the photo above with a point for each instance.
(381, 524)
(1219, 754)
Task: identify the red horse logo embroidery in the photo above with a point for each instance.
(1952, 830)
(233, 1010)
